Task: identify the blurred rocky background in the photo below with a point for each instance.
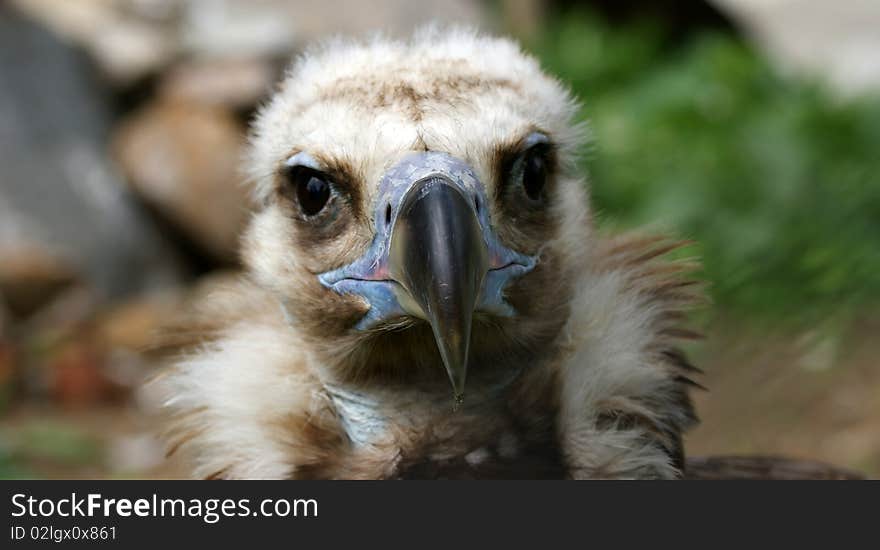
(752, 126)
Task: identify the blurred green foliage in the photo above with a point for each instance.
(49, 445)
(777, 181)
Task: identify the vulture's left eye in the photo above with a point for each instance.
(312, 189)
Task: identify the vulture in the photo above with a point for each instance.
(425, 292)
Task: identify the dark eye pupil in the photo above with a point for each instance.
(534, 175)
(312, 193)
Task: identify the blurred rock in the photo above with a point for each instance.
(233, 83)
(235, 28)
(839, 40)
(184, 158)
(30, 276)
(128, 39)
(128, 50)
(73, 307)
(223, 28)
(132, 325)
(63, 211)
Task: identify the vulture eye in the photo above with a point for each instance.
(312, 189)
(534, 173)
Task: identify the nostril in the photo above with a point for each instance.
(477, 204)
(388, 214)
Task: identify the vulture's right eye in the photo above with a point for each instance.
(534, 172)
(312, 189)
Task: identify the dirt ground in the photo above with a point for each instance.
(810, 396)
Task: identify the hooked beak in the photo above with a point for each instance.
(439, 259)
(434, 256)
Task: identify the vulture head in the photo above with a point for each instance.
(425, 293)
(419, 204)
